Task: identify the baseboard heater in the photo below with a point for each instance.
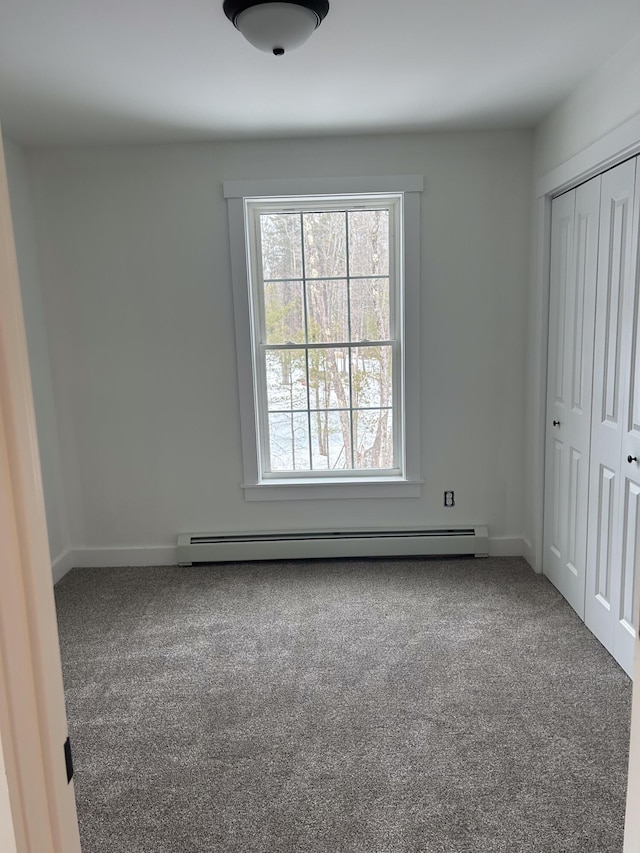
(398, 542)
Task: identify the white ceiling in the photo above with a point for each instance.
(160, 70)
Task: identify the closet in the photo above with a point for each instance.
(592, 473)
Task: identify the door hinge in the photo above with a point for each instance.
(68, 760)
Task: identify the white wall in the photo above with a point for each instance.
(37, 338)
(603, 101)
(134, 247)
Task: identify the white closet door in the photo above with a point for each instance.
(616, 281)
(624, 591)
(571, 330)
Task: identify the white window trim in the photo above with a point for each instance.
(256, 488)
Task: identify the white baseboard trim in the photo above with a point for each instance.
(110, 558)
(61, 565)
(529, 554)
(506, 546)
(151, 555)
(94, 558)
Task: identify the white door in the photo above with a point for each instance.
(611, 492)
(574, 245)
(624, 590)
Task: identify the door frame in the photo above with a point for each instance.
(619, 145)
(33, 725)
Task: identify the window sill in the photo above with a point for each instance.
(296, 490)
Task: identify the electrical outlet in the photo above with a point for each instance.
(449, 498)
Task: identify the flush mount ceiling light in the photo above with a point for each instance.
(276, 26)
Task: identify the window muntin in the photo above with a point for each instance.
(325, 277)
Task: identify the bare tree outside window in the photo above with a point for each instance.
(327, 348)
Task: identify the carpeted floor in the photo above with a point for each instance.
(410, 706)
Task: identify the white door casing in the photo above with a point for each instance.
(571, 328)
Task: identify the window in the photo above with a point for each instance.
(322, 296)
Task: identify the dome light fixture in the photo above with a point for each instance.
(276, 26)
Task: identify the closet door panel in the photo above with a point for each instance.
(625, 588)
(581, 302)
(604, 515)
(555, 466)
(626, 605)
(558, 390)
(607, 482)
(572, 317)
(583, 297)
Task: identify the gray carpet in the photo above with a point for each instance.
(410, 706)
